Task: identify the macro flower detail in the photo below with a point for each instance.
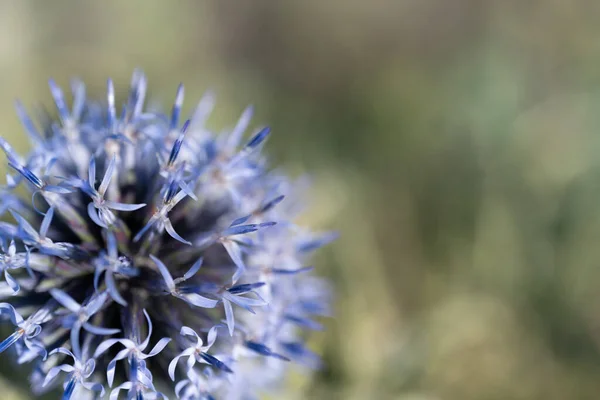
(78, 373)
(12, 260)
(197, 352)
(153, 256)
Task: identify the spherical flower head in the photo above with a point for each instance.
(153, 255)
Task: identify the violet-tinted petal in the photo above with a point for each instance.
(192, 271)
(229, 316)
(14, 316)
(171, 231)
(98, 330)
(66, 300)
(199, 301)
(12, 282)
(93, 214)
(164, 272)
(107, 176)
(123, 206)
(144, 344)
(54, 371)
(111, 286)
(162, 343)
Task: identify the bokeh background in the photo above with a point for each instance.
(454, 144)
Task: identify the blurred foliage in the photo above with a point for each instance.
(452, 143)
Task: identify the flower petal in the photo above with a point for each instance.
(164, 271)
(65, 300)
(162, 343)
(14, 285)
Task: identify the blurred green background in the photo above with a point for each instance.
(454, 144)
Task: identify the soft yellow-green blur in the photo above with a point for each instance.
(455, 144)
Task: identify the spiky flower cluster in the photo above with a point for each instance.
(153, 256)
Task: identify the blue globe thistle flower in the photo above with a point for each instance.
(154, 255)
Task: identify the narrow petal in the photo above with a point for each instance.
(62, 350)
(176, 147)
(229, 316)
(78, 90)
(107, 176)
(175, 235)
(236, 134)
(244, 302)
(112, 365)
(110, 96)
(95, 304)
(15, 317)
(144, 344)
(212, 336)
(46, 222)
(146, 227)
(123, 206)
(28, 123)
(88, 368)
(112, 247)
(173, 364)
(75, 344)
(57, 189)
(192, 271)
(241, 220)
(240, 229)
(112, 288)
(36, 347)
(291, 271)
(177, 107)
(244, 288)
(55, 371)
(187, 331)
(187, 189)
(25, 226)
(108, 343)
(93, 214)
(164, 271)
(162, 343)
(313, 244)
(14, 285)
(92, 173)
(66, 300)
(59, 100)
(98, 330)
(97, 273)
(234, 251)
(199, 301)
(114, 394)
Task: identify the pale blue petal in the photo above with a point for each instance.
(66, 300)
(107, 176)
(162, 343)
(164, 271)
(97, 330)
(229, 316)
(14, 285)
(123, 206)
(111, 286)
(171, 231)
